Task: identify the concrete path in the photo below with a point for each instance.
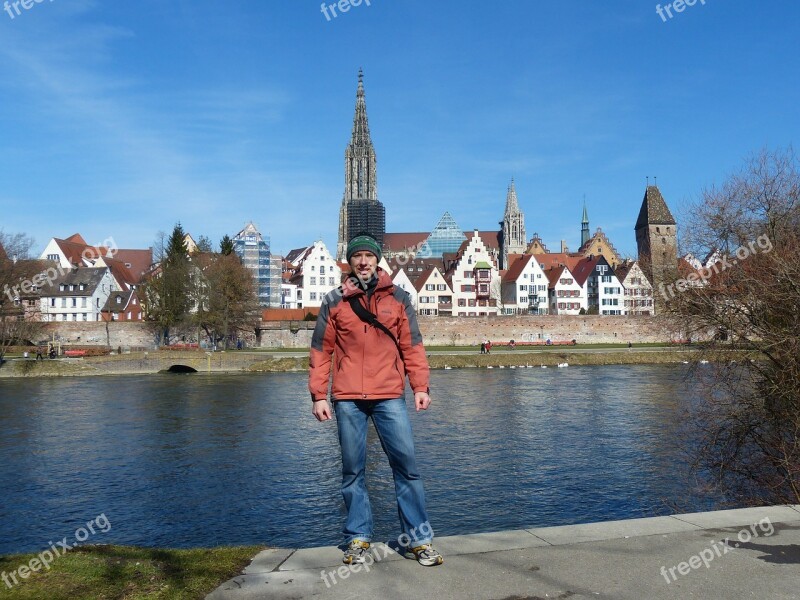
(743, 553)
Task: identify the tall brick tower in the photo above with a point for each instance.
(360, 209)
(657, 241)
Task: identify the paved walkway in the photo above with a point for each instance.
(743, 553)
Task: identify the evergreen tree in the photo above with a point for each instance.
(166, 293)
(226, 245)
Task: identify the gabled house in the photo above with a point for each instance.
(637, 289)
(474, 278)
(315, 273)
(566, 296)
(401, 279)
(122, 306)
(434, 296)
(78, 295)
(524, 287)
(604, 293)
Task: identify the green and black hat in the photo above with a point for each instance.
(363, 241)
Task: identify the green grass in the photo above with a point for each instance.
(123, 572)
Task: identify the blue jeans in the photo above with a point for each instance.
(391, 421)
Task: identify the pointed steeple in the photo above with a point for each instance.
(654, 209)
(584, 224)
(361, 138)
(512, 234)
(512, 205)
(360, 209)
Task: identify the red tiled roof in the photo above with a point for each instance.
(120, 272)
(139, 261)
(584, 268)
(287, 314)
(395, 242)
(517, 267)
(555, 259)
(76, 238)
(623, 269)
(554, 274)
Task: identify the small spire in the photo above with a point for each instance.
(648, 181)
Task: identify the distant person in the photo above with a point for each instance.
(488, 346)
(39, 353)
(483, 347)
(371, 326)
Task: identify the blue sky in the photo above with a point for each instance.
(121, 118)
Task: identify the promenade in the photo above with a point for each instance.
(742, 553)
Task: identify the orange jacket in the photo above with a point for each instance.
(366, 362)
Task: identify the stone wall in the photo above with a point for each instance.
(117, 334)
(437, 331)
(595, 329)
(446, 331)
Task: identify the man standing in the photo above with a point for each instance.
(367, 331)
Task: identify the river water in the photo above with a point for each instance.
(207, 460)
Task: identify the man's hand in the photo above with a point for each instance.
(321, 410)
(422, 400)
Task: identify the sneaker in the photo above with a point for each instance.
(356, 552)
(426, 555)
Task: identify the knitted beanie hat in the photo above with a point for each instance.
(366, 242)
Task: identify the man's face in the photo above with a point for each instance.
(364, 264)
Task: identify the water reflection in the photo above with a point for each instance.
(205, 460)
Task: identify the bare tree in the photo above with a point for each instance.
(749, 299)
(20, 276)
(225, 297)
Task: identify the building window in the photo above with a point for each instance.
(313, 281)
(322, 270)
(331, 281)
(312, 296)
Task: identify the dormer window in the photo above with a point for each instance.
(83, 286)
(119, 299)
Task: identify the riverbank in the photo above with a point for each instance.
(108, 571)
(271, 362)
(742, 553)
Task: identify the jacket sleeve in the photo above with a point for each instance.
(322, 344)
(410, 340)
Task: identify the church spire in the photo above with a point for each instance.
(361, 138)
(584, 224)
(360, 209)
(512, 205)
(512, 234)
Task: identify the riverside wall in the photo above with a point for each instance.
(436, 331)
(460, 331)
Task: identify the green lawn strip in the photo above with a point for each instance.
(124, 572)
